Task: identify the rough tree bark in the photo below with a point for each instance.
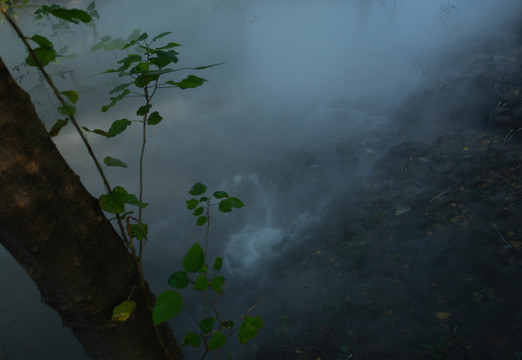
(55, 229)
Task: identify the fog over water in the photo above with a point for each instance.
(301, 82)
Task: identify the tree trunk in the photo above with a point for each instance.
(55, 229)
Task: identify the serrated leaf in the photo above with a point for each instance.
(192, 204)
(118, 126)
(193, 339)
(202, 220)
(217, 284)
(217, 341)
(110, 161)
(194, 259)
(206, 325)
(42, 41)
(154, 118)
(201, 283)
(44, 56)
(123, 311)
(168, 304)
(58, 125)
(143, 110)
(179, 280)
(67, 109)
(218, 264)
(71, 95)
(197, 189)
(249, 328)
(139, 232)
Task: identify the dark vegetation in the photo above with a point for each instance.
(424, 258)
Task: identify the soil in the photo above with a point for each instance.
(424, 259)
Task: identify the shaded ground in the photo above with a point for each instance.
(424, 260)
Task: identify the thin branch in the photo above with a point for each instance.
(64, 103)
(442, 193)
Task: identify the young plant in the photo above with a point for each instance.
(213, 330)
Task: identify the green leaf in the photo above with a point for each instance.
(134, 35)
(100, 132)
(114, 202)
(217, 341)
(161, 35)
(123, 311)
(120, 88)
(217, 284)
(72, 15)
(168, 304)
(58, 125)
(128, 60)
(154, 118)
(42, 42)
(179, 280)
(226, 205)
(202, 220)
(220, 194)
(71, 95)
(44, 56)
(91, 6)
(201, 283)
(110, 161)
(249, 328)
(170, 45)
(166, 57)
(198, 211)
(218, 264)
(133, 200)
(194, 259)
(115, 44)
(193, 339)
(197, 189)
(192, 204)
(117, 127)
(206, 325)
(145, 79)
(189, 82)
(115, 99)
(142, 37)
(139, 232)
(67, 109)
(143, 110)
(203, 199)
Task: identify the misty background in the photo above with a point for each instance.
(301, 81)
